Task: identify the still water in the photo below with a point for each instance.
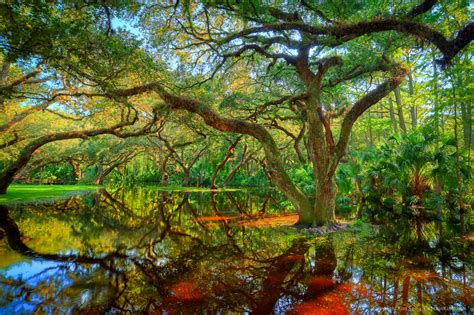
(144, 251)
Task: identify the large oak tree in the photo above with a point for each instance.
(322, 50)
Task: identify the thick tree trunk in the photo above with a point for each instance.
(325, 203)
(318, 139)
(6, 179)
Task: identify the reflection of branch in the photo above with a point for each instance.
(13, 235)
(280, 268)
(228, 230)
(114, 203)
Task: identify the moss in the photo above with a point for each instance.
(34, 193)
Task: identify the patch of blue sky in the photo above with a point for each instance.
(28, 270)
(130, 26)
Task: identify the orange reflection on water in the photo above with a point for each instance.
(247, 221)
(185, 291)
(324, 297)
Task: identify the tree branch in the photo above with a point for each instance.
(363, 104)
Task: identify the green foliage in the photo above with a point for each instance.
(302, 175)
(401, 179)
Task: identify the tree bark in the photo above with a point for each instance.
(401, 119)
(76, 168)
(325, 202)
(405, 291)
(413, 111)
(187, 169)
(466, 117)
(392, 115)
(243, 159)
(219, 166)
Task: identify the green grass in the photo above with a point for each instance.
(34, 193)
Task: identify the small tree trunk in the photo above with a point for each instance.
(401, 119)
(229, 153)
(405, 291)
(99, 179)
(466, 116)
(243, 159)
(187, 175)
(413, 111)
(76, 168)
(392, 116)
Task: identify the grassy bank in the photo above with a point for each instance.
(22, 193)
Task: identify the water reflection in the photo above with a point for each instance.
(157, 252)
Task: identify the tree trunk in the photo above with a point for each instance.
(76, 168)
(401, 119)
(100, 179)
(405, 291)
(6, 179)
(413, 111)
(187, 176)
(103, 173)
(164, 173)
(325, 202)
(466, 117)
(324, 153)
(392, 116)
(229, 153)
(243, 159)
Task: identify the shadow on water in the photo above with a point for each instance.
(143, 251)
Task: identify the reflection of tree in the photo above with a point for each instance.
(14, 239)
(401, 274)
(165, 260)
